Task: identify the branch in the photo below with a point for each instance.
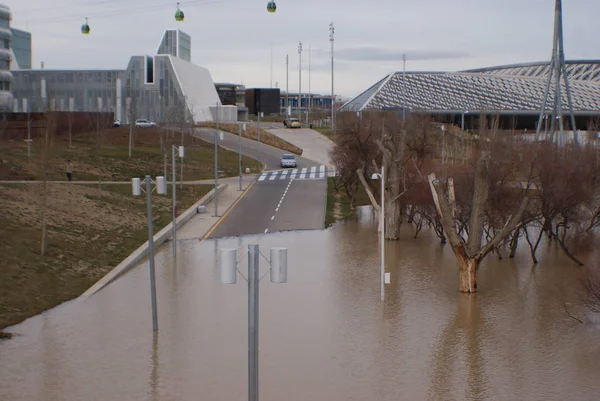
(363, 181)
(443, 209)
(479, 203)
(515, 221)
(569, 313)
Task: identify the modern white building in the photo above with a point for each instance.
(165, 87)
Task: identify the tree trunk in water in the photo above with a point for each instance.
(514, 244)
(393, 219)
(468, 274)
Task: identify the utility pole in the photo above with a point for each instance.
(404, 87)
(287, 84)
(309, 96)
(557, 68)
(331, 32)
(300, 81)
(271, 65)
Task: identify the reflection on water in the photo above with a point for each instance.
(324, 335)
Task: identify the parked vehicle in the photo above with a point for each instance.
(117, 123)
(142, 123)
(292, 123)
(288, 160)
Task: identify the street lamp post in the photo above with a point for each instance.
(381, 176)
(287, 85)
(331, 39)
(216, 138)
(176, 150)
(161, 189)
(278, 274)
(300, 81)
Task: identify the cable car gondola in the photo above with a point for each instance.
(85, 28)
(179, 14)
(271, 7)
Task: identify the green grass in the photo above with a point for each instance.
(341, 201)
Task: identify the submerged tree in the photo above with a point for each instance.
(470, 251)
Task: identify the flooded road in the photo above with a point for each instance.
(324, 335)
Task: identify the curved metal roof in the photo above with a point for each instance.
(516, 88)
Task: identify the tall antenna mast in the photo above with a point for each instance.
(557, 69)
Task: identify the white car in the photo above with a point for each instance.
(288, 160)
(142, 123)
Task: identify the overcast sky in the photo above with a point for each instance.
(233, 38)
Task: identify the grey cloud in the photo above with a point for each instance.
(381, 54)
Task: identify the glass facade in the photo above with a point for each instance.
(21, 46)
(127, 93)
(5, 57)
(151, 87)
(176, 43)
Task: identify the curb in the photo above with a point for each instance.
(159, 238)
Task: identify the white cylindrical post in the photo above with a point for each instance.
(161, 185)
(136, 186)
(228, 265)
(278, 265)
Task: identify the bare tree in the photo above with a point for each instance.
(590, 281)
(391, 147)
(470, 252)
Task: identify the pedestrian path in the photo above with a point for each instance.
(306, 173)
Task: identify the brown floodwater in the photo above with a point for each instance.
(324, 335)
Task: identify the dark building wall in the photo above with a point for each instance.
(263, 100)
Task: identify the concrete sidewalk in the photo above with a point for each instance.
(201, 224)
(314, 145)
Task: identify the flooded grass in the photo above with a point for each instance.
(339, 206)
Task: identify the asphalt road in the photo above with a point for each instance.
(268, 155)
(278, 205)
(271, 205)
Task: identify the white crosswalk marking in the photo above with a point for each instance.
(307, 173)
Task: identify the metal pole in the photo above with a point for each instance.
(404, 87)
(300, 82)
(216, 198)
(309, 96)
(258, 133)
(287, 84)
(151, 252)
(28, 133)
(253, 254)
(463, 122)
(382, 232)
(271, 65)
(174, 167)
(240, 152)
(331, 39)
